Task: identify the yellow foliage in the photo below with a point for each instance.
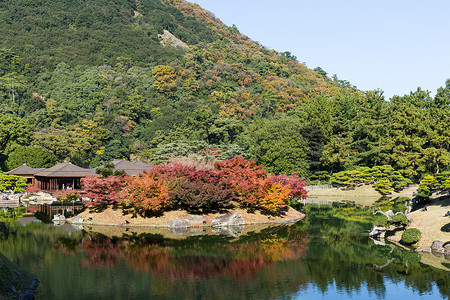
(277, 197)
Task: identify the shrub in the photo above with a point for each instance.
(396, 205)
(12, 183)
(277, 197)
(411, 236)
(103, 191)
(202, 190)
(399, 220)
(246, 178)
(296, 185)
(171, 171)
(380, 220)
(423, 193)
(67, 195)
(198, 196)
(254, 189)
(146, 194)
(32, 189)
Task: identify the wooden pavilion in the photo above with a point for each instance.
(64, 176)
(25, 171)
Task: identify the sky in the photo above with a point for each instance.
(396, 46)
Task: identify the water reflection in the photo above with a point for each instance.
(322, 258)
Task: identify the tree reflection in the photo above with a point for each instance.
(328, 254)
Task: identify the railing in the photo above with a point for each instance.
(320, 187)
(331, 186)
(316, 202)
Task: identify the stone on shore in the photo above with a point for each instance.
(234, 219)
(447, 250)
(437, 246)
(77, 220)
(195, 219)
(59, 218)
(180, 223)
(423, 249)
(377, 232)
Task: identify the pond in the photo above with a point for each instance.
(318, 258)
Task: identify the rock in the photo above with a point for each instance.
(377, 232)
(195, 219)
(440, 250)
(437, 245)
(168, 39)
(59, 220)
(14, 282)
(234, 231)
(180, 223)
(58, 217)
(423, 249)
(77, 220)
(228, 220)
(389, 213)
(447, 250)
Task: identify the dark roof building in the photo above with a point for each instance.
(131, 168)
(63, 176)
(24, 171)
(65, 169)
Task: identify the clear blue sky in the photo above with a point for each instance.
(393, 45)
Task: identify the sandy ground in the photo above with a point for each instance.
(116, 217)
(431, 223)
(433, 226)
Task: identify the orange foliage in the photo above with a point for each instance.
(147, 194)
(277, 197)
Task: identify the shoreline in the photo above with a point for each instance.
(117, 218)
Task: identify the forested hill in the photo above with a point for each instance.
(90, 81)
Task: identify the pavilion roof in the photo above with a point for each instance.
(131, 168)
(23, 170)
(65, 169)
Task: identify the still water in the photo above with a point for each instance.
(319, 258)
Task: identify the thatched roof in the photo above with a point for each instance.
(65, 169)
(131, 168)
(23, 170)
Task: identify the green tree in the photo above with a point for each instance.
(33, 156)
(12, 183)
(13, 133)
(278, 145)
